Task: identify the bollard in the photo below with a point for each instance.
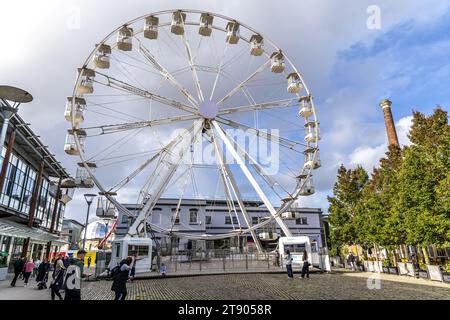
(268, 261)
(223, 260)
(246, 261)
(201, 259)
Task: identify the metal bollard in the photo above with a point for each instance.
(246, 261)
(268, 261)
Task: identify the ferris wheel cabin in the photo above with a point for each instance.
(125, 39)
(80, 106)
(206, 21)
(256, 45)
(151, 27)
(177, 26)
(86, 80)
(102, 56)
(232, 32)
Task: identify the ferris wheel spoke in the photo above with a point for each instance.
(242, 84)
(260, 106)
(123, 86)
(226, 172)
(285, 142)
(120, 127)
(165, 73)
(140, 168)
(161, 187)
(250, 178)
(187, 47)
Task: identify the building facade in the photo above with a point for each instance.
(213, 217)
(32, 195)
(71, 232)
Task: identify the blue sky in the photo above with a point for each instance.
(348, 67)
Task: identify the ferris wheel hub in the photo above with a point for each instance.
(208, 109)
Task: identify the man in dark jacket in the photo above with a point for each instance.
(18, 268)
(72, 278)
(119, 285)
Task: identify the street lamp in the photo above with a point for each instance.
(88, 197)
(10, 99)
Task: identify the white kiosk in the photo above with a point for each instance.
(133, 246)
(296, 246)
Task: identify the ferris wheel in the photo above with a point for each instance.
(174, 104)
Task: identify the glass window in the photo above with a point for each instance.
(140, 251)
(255, 220)
(177, 217)
(207, 219)
(301, 220)
(193, 215)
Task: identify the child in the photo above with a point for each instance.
(163, 270)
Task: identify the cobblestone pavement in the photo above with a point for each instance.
(339, 285)
(275, 286)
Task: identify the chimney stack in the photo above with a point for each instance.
(389, 121)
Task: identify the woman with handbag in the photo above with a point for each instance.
(57, 279)
(305, 268)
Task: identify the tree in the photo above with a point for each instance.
(422, 197)
(347, 193)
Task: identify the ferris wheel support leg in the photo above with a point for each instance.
(251, 179)
(227, 173)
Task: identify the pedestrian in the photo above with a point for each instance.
(288, 263)
(163, 270)
(42, 274)
(351, 261)
(37, 262)
(305, 267)
(120, 277)
(277, 258)
(57, 279)
(66, 261)
(133, 268)
(72, 278)
(18, 268)
(89, 260)
(28, 269)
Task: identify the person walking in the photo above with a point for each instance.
(288, 263)
(37, 262)
(18, 269)
(42, 274)
(120, 277)
(28, 269)
(73, 275)
(57, 279)
(351, 261)
(133, 268)
(66, 261)
(305, 267)
(277, 258)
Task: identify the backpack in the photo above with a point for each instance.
(115, 271)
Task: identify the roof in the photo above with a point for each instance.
(11, 228)
(35, 149)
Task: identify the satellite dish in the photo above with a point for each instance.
(15, 94)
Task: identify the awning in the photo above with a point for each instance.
(14, 229)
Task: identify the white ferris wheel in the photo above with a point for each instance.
(163, 90)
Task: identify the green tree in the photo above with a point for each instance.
(347, 193)
(422, 198)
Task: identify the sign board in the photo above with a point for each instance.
(410, 268)
(402, 268)
(435, 273)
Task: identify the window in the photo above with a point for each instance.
(254, 220)
(207, 219)
(176, 216)
(156, 217)
(228, 220)
(193, 216)
(140, 251)
(301, 220)
(124, 219)
(117, 250)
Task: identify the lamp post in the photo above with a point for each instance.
(88, 197)
(10, 99)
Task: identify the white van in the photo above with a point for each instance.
(296, 246)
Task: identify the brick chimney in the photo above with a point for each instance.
(389, 121)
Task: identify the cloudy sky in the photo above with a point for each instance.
(349, 59)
